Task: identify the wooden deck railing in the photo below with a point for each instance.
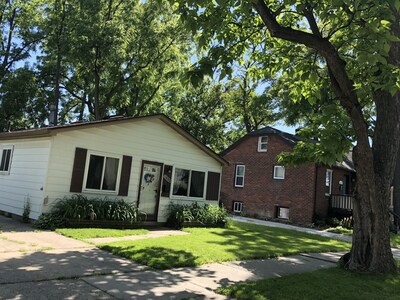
(341, 202)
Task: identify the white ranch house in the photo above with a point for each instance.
(149, 160)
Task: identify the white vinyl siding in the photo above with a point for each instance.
(26, 177)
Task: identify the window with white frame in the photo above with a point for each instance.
(237, 206)
(189, 183)
(328, 182)
(239, 175)
(279, 172)
(262, 143)
(5, 159)
(282, 212)
(102, 172)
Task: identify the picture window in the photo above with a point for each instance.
(102, 172)
(189, 183)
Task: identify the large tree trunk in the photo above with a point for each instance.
(371, 237)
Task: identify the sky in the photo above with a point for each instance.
(288, 129)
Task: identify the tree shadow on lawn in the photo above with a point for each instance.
(249, 242)
(158, 258)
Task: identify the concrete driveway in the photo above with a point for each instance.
(46, 265)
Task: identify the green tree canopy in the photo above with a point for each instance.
(343, 58)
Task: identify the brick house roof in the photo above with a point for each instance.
(292, 139)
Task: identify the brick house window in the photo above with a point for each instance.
(279, 172)
(262, 143)
(5, 159)
(237, 207)
(239, 175)
(282, 213)
(328, 182)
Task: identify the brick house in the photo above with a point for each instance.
(255, 184)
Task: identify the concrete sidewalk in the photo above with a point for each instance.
(331, 235)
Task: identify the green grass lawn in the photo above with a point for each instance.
(90, 233)
(340, 230)
(394, 238)
(326, 284)
(206, 245)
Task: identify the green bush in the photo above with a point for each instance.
(49, 221)
(78, 207)
(27, 212)
(206, 215)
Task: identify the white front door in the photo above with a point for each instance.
(149, 194)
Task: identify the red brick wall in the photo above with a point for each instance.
(261, 193)
(338, 174)
(322, 202)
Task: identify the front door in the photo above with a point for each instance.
(149, 193)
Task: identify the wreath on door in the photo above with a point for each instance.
(149, 178)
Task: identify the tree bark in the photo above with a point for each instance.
(374, 164)
(97, 109)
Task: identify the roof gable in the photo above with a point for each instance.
(266, 131)
(292, 140)
(51, 131)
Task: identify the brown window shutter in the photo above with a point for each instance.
(78, 170)
(166, 181)
(213, 181)
(125, 176)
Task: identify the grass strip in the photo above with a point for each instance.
(240, 241)
(325, 284)
(91, 233)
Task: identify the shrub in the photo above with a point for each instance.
(333, 222)
(206, 215)
(49, 221)
(78, 207)
(27, 212)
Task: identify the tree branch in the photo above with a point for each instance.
(339, 77)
